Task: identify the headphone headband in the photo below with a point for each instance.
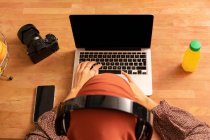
(103, 102)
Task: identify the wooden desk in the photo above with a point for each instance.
(176, 23)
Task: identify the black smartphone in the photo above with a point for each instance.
(44, 100)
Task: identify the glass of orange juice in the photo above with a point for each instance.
(4, 57)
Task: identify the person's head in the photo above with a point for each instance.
(106, 124)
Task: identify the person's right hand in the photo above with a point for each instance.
(84, 72)
(139, 96)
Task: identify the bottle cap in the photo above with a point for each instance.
(195, 45)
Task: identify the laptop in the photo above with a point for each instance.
(118, 42)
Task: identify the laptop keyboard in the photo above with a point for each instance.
(115, 62)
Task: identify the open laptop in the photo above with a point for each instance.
(118, 42)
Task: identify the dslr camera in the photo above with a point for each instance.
(37, 47)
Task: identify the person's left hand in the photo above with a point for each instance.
(84, 72)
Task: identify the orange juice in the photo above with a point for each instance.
(3, 51)
(192, 56)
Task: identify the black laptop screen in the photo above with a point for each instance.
(112, 31)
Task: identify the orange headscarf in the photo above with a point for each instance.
(101, 124)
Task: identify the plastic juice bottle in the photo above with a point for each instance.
(192, 56)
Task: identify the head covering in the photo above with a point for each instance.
(102, 124)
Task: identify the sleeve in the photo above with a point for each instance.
(176, 124)
(45, 129)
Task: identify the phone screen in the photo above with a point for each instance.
(44, 100)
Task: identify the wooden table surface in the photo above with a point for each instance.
(176, 23)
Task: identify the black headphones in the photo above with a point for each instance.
(143, 130)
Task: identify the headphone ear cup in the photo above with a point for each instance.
(62, 121)
(67, 118)
(60, 126)
(138, 129)
(143, 130)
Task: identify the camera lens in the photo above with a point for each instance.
(27, 33)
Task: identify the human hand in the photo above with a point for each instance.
(84, 72)
(137, 93)
(139, 96)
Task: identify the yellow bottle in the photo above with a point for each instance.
(192, 56)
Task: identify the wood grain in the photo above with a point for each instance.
(176, 23)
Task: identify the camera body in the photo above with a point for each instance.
(37, 47)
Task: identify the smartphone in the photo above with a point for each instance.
(44, 100)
